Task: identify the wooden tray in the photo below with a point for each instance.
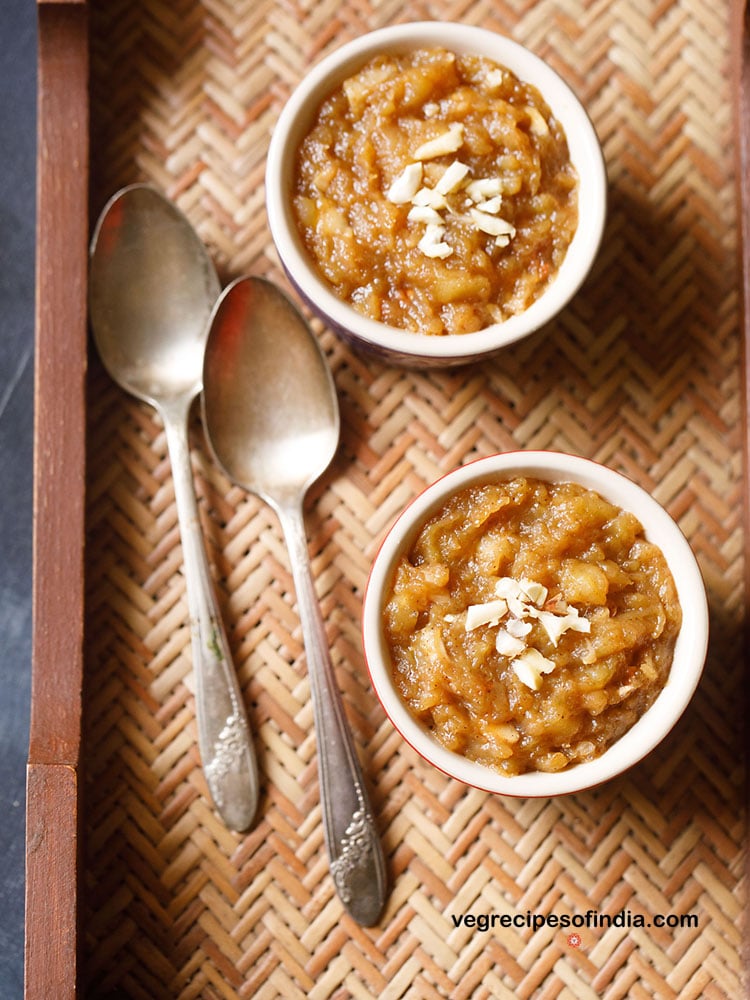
(135, 889)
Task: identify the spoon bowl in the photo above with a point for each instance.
(269, 400)
(152, 287)
(271, 417)
(143, 248)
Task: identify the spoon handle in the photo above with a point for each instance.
(352, 841)
(226, 748)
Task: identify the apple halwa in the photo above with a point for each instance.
(435, 192)
(531, 624)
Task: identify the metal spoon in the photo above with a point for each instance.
(152, 287)
(271, 416)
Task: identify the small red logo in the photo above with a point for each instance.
(574, 940)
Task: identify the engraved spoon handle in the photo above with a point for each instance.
(352, 841)
(226, 748)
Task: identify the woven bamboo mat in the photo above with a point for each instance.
(641, 372)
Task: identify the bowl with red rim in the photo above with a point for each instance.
(377, 338)
(689, 651)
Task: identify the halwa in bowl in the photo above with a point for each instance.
(534, 624)
(435, 192)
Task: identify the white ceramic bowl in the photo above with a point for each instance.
(388, 342)
(690, 649)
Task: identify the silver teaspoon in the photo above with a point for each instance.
(152, 287)
(271, 416)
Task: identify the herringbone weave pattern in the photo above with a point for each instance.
(641, 372)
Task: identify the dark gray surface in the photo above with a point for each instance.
(17, 203)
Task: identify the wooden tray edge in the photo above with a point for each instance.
(53, 793)
(741, 81)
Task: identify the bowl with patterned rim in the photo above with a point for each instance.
(689, 649)
(371, 332)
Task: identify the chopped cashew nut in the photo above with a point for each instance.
(507, 644)
(538, 124)
(518, 628)
(555, 625)
(483, 188)
(423, 213)
(485, 614)
(406, 185)
(430, 198)
(530, 666)
(534, 591)
(491, 224)
(491, 206)
(452, 177)
(432, 243)
(446, 142)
